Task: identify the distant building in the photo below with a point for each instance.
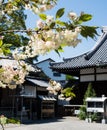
(54, 75)
(29, 100)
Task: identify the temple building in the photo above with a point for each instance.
(88, 67)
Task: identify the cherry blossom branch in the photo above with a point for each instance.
(10, 31)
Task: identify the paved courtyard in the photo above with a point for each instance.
(66, 123)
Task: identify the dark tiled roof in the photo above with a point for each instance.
(96, 57)
(49, 59)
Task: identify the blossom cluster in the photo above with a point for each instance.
(50, 34)
(37, 7)
(3, 119)
(39, 46)
(12, 75)
(41, 6)
(47, 38)
(54, 87)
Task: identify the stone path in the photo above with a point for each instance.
(66, 123)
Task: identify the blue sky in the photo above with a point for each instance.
(97, 8)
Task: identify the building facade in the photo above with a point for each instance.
(88, 67)
(24, 101)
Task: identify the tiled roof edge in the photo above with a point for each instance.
(53, 63)
(84, 54)
(44, 61)
(92, 52)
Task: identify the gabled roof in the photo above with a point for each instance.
(47, 98)
(49, 59)
(40, 83)
(9, 61)
(96, 99)
(96, 57)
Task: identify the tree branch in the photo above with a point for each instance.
(22, 31)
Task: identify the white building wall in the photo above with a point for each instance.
(100, 77)
(85, 78)
(90, 74)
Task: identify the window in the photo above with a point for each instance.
(90, 104)
(56, 74)
(95, 104)
(99, 104)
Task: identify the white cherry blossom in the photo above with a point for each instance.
(72, 15)
(40, 23)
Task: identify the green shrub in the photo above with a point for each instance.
(90, 92)
(82, 115)
(13, 121)
(95, 116)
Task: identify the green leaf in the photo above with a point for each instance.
(1, 51)
(60, 49)
(52, 25)
(84, 18)
(60, 23)
(1, 42)
(6, 51)
(63, 44)
(1, 70)
(43, 16)
(60, 13)
(89, 31)
(57, 52)
(7, 45)
(48, 39)
(68, 92)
